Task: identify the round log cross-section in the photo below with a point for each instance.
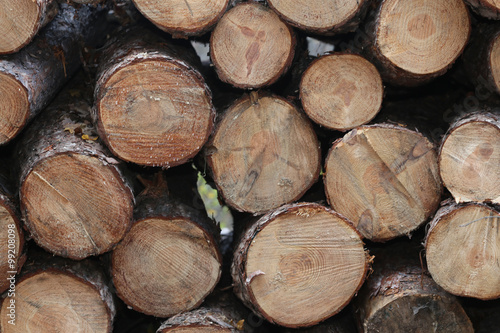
(341, 91)
(305, 256)
(384, 178)
(270, 149)
(251, 47)
(463, 250)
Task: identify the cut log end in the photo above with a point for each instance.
(383, 178)
(462, 251)
(14, 109)
(271, 149)
(18, 23)
(469, 160)
(407, 313)
(494, 61)
(183, 17)
(251, 47)
(75, 205)
(53, 301)
(436, 31)
(341, 91)
(11, 241)
(153, 244)
(155, 112)
(321, 16)
(305, 256)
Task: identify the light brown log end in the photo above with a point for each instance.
(320, 16)
(422, 37)
(183, 18)
(271, 150)
(384, 178)
(300, 265)
(76, 206)
(53, 301)
(11, 245)
(19, 22)
(14, 108)
(251, 47)
(341, 91)
(155, 112)
(463, 250)
(165, 266)
(469, 160)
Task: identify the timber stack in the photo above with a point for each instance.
(197, 166)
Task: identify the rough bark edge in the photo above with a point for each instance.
(389, 71)
(476, 57)
(484, 9)
(241, 280)
(286, 67)
(350, 24)
(144, 45)
(252, 97)
(47, 10)
(202, 317)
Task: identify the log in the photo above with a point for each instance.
(400, 297)
(462, 250)
(413, 42)
(75, 199)
(170, 260)
(251, 47)
(56, 295)
(220, 313)
(21, 20)
(31, 78)
(342, 322)
(12, 256)
(384, 178)
(481, 60)
(487, 8)
(303, 255)
(326, 17)
(341, 91)
(271, 150)
(183, 18)
(469, 158)
(152, 107)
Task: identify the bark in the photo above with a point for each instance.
(419, 48)
(303, 255)
(400, 297)
(341, 91)
(322, 17)
(152, 106)
(183, 18)
(261, 46)
(75, 199)
(384, 178)
(468, 158)
(74, 295)
(481, 59)
(271, 150)
(12, 256)
(487, 8)
(457, 257)
(20, 21)
(30, 78)
(166, 234)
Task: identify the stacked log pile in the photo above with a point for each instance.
(328, 164)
